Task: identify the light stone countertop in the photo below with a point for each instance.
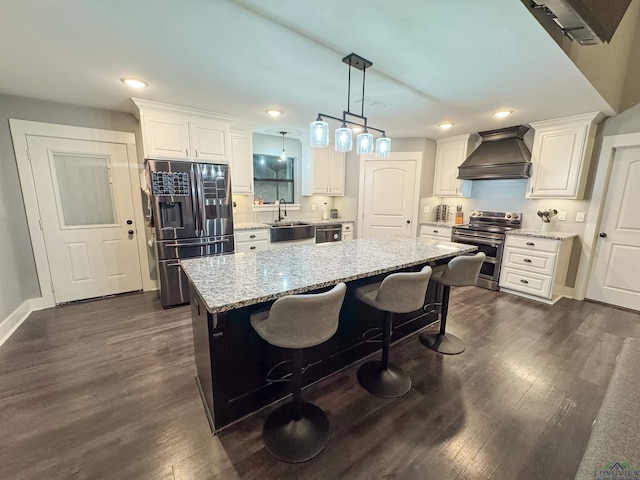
(315, 221)
(438, 224)
(541, 234)
(249, 226)
(227, 282)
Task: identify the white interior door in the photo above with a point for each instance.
(86, 211)
(615, 277)
(389, 198)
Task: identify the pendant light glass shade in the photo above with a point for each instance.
(283, 155)
(365, 143)
(383, 147)
(344, 139)
(319, 134)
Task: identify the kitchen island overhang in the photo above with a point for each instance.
(233, 361)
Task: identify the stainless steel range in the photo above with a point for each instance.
(486, 230)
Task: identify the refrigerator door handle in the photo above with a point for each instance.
(196, 199)
(214, 242)
(201, 201)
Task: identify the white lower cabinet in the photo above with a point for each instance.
(535, 267)
(436, 233)
(252, 240)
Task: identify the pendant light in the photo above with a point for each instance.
(283, 155)
(319, 129)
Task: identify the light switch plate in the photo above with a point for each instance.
(426, 209)
(562, 215)
(580, 217)
(313, 206)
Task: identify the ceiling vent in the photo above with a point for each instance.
(589, 22)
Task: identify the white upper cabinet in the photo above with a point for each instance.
(561, 155)
(165, 135)
(450, 153)
(170, 131)
(241, 162)
(209, 139)
(323, 172)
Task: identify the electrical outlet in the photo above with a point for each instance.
(580, 217)
(562, 215)
(313, 207)
(426, 209)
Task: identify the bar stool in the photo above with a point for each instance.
(397, 293)
(298, 431)
(460, 272)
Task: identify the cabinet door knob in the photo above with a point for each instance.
(603, 234)
(130, 232)
(528, 260)
(408, 221)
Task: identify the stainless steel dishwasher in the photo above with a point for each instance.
(331, 232)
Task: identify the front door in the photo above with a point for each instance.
(389, 200)
(86, 210)
(615, 277)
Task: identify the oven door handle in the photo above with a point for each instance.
(477, 240)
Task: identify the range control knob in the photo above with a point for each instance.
(507, 216)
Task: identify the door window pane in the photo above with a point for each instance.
(83, 187)
(273, 178)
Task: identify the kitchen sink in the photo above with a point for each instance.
(291, 231)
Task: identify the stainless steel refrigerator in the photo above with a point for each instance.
(192, 214)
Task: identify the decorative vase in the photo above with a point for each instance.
(546, 226)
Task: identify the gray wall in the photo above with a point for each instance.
(18, 280)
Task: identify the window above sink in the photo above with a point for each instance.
(273, 179)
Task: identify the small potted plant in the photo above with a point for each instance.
(546, 215)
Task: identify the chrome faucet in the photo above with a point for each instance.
(282, 202)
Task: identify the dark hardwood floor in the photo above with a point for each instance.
(106, 390)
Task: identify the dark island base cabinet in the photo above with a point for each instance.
(233, 361)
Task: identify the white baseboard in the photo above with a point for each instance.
(10, 324)
(570, 292)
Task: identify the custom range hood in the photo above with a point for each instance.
(502, 154)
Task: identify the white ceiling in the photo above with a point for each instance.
(433, 60)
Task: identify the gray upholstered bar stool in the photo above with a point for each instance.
(298, 431)
(460, 272)
(397, 293)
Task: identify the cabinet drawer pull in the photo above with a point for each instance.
(528, 260)
(523, 280)
(186, 151)
(531, 244)
(252, 236)
(435, 231)
(253, 247)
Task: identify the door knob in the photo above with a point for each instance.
(130, 232)
(408, 221)
(603, 235)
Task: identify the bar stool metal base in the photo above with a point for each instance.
(448, 344)
(296, 441)
(391, 382)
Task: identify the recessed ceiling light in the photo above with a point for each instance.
(502, 113)
(446, 125)
(134, 82)
(274, 113)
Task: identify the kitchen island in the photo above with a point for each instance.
(232, 361)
